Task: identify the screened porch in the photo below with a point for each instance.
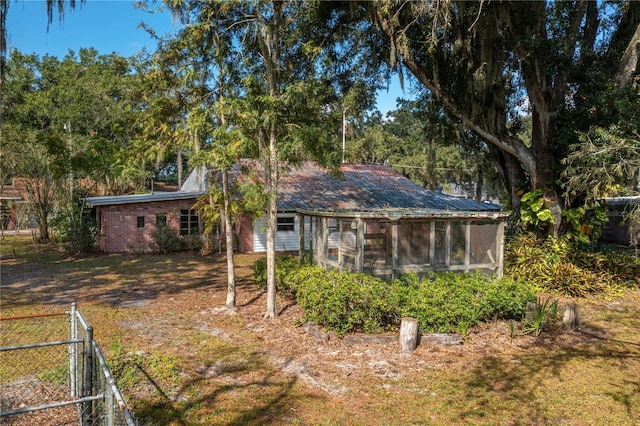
(390, 243)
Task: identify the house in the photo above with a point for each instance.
(126, 223)
(360, 218)
(369, 218)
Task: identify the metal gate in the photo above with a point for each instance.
(53, 372)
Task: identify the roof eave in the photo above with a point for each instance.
(140, 198)
(396, 214)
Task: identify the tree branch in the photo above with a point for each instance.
(511, 146)
(629, 61)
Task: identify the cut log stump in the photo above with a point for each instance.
(408, 334)
(571, 317)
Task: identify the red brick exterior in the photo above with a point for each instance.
(118, 224)
(244, 233)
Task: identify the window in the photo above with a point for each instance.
(286, 224)
(189, 223)
(161, 219)
(140, 221)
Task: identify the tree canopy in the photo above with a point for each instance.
(492, 64)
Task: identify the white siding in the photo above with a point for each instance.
(285, 240)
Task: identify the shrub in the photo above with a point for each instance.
(344, 302)
(543, 314)
(447, 302)
(166, 240)
(285, 265)
(76, 228)
(567, 267)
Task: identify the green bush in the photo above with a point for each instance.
(166, 240)
(447, 302)
(285, 265)
(344, 302)
(567, 267)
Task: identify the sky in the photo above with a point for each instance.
(108, 26)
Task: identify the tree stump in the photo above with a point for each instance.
(408, 334)
(571, 317)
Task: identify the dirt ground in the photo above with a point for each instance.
(156, 302)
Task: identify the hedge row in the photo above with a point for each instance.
(355, 302)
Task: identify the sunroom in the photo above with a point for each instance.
(390, 242)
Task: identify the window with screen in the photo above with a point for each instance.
(189, 222)
(286, 224)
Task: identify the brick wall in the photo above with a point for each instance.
(119, 231)
(244, 233)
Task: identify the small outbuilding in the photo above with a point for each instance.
(623, 226)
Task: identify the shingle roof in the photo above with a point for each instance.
(358, 187)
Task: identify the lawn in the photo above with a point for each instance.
(181, 360)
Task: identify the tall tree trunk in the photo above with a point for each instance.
(479, 184)
(271, 171)
(630, 60)
(272, 213)
(228, 229)
(512, 175)
(179, 161)
(543, 126)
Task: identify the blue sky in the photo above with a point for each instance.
(108, 26)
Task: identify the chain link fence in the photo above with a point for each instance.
(52, 372)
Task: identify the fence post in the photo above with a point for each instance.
(73, 350)
(110, 402)
(87, 412)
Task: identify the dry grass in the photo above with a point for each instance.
(184, 361)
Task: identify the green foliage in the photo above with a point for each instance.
(57, 376)
(532, 211)
(447, 302)
(585, 223)
(75, 225)
(285, 265)
(167, 240)
(344, 302)
(568, 268)
(350, 302)
(132, 369)
(604, 162)
(542, 314)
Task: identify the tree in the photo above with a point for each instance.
(4, 10)
(487, 63)
(197, 69)
(278, 103)
(41, 185)
(74, 119)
